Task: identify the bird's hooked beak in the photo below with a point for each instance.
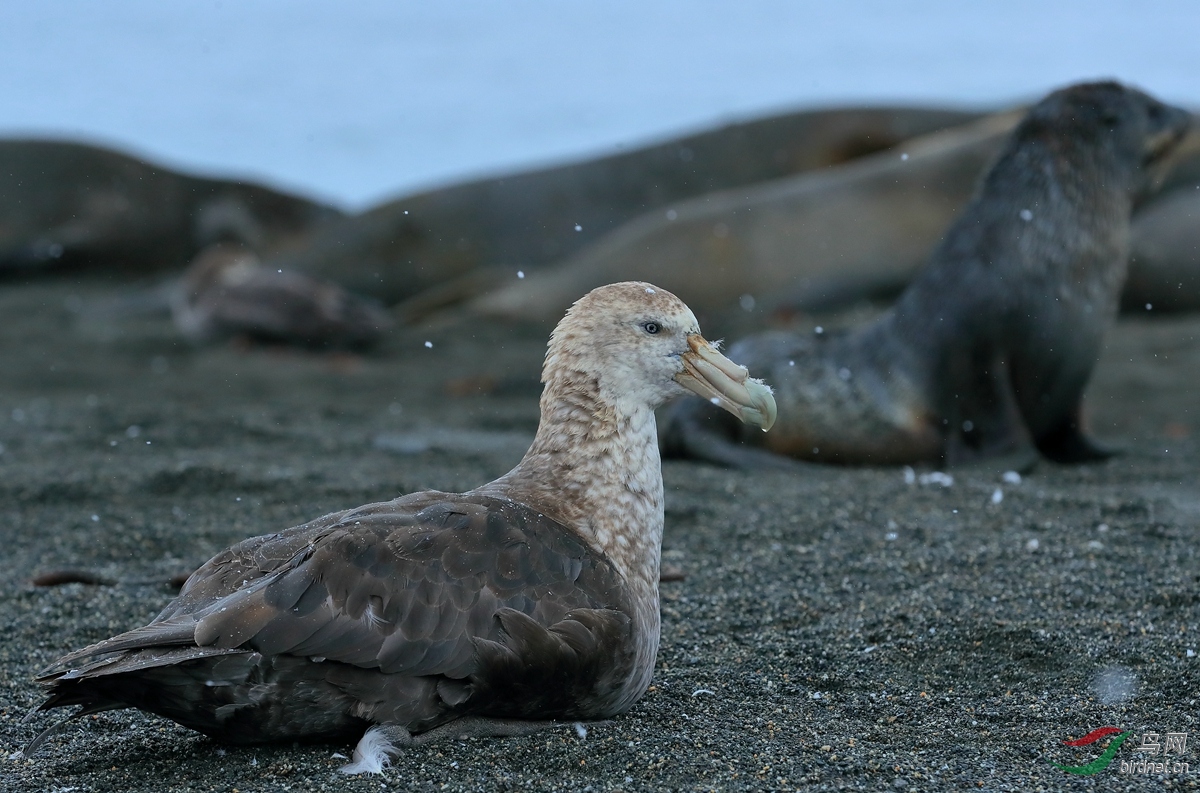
(721, 381)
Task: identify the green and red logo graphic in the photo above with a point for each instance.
(1101, 762)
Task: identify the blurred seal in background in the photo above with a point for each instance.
(986, 355)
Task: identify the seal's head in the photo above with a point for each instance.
(1138, 132)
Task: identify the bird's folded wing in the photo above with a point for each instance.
(407, 586)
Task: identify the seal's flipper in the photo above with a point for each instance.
(695, 430)
(1023, 460)
(983, 420)
(1066, 442)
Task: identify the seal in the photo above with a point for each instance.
(827, 239)
(530, 598)
(65, 205)
(988, 352)
(457, 241)
(1164, 255)
(804, 242)
(1164, 260)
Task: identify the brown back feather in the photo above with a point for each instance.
(452, 603)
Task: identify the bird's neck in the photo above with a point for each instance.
(599, 472)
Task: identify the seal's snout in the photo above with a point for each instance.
(1180, 122)
(1189, 133)
(1174, 132)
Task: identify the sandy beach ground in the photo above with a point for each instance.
(847, 630)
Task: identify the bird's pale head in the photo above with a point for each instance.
(638, 346)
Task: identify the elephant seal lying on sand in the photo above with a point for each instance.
(801, 242)
(987, 353)
(830, 238)
(462, 239)
(68, 204)
(1164, 261)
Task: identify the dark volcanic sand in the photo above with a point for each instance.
(846, 630)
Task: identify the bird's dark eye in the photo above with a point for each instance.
(651, 327)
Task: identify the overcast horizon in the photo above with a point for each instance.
(354, 104)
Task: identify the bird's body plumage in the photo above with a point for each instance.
(532, 597)
(413, 611)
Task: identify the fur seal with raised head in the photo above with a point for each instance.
(533, 597)
(827, 239)
(988, 352)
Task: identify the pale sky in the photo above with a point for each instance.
(357, 101)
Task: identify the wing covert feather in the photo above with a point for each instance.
(412, 611)
(405, 586)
